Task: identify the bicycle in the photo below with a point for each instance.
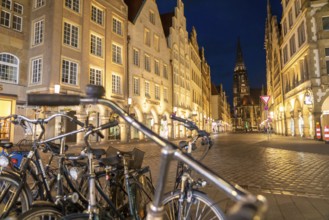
(131, 186)
(186, 201)
(16, 194)
(247, 205)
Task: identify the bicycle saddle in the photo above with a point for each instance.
(98, 152)
(182, 144)
(6, 145)
(110, 161)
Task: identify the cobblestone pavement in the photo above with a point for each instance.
(291, 172)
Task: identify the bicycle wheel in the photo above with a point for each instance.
(8, 189)
(41, 213)
(199, 207)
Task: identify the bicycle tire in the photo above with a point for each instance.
(8, 188)
(200, 207)
(42, 213)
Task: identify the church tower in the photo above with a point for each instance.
(240, 78)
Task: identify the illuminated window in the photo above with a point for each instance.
(17, 23)
(165, 94)
(147, 62)
(97, 15)
(69, 72)
(73, 5)
(151, 17)
(157, 67)
(165, 71)
(301, 34)
(36, 70)
(117, 26)
(325, 23)
(95, 76)
(5, 18)
(156, 43)
(39, 3)
(136, 57)
(116, 84)
(147, 89)
(71, 35)
(8, 68)
(18, 8)
(157, 92)
(136, 86)
(6, 4)
(38, 32)
(147, 38)
(96, 45)
(116, 54)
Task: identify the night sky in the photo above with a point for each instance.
(219, 24)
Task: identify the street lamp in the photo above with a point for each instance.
(57, 88)
(129, 102)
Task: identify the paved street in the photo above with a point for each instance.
(290, 171)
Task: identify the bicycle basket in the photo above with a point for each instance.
(137, 159)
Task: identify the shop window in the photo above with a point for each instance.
(6, 106)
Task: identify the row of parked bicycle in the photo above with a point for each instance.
(109, 183)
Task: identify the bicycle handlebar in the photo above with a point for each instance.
(53, 99)
(41, 121)
(187, 123)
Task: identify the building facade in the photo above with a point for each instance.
(174, 25)
(66, 45)
(304, 66)
(144, 60)
(220, 109)
(196, 82)
(150, 77)
(273, 69)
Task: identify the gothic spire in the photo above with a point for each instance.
(239, 64)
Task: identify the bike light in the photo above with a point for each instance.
(14, 161)
(74, 172)
(4, 161)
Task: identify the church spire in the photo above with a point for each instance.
(239, 63)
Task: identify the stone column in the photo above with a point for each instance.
(123, 131)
